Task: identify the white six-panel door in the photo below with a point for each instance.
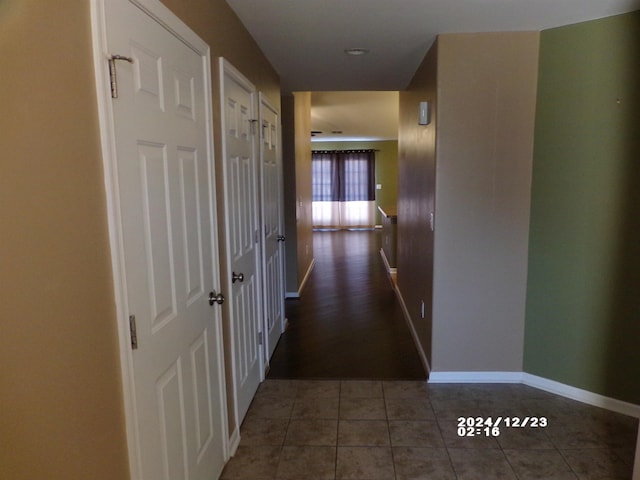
(166, 240)
(272, 211)
(240, 171)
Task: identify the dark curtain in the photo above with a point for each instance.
(343, 176)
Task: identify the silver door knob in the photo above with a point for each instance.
(281, 238)
(237, 276)
(216, 298)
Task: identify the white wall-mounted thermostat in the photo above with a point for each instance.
(424, 115)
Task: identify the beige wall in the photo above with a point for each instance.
(486, 98)
(416, 194)
(61, 411)
(290, 202)
(304, 223)
(473, 164)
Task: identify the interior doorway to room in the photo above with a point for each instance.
(352, 132)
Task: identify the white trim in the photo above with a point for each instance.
(265, 104)
(303, 283)
(540, 383)
(306, 276)
(114, 220)
(581, 395)
(161, 14)
(414, 334)
(390, 270)
(475, 377)
(234, 441)
(165, 17)
(225, 68)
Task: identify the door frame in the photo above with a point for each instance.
(162, 15)
(265, 103)
(225, 67)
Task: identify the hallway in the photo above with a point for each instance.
(348, 323)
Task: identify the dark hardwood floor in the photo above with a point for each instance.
(348, 323)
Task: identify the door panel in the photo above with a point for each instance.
(156, 216)
(272, 211)
(167, 234)
(191, 226)
(241, 213)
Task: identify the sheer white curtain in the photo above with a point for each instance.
(343, 188)
(344, 214)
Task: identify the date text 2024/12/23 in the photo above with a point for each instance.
(490, 426)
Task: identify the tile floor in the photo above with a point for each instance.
(401, 430)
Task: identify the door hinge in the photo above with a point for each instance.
(133, 332)
(256, 236)
(113, 79)
(260, 338)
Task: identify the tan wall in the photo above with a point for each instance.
(486, 97)
(290, 202)
(416, 194)
(304, 221)
(61, 412)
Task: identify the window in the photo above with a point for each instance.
(343, 188)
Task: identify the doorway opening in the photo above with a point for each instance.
(346, 321)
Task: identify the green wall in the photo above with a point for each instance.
(583, 296)
(386, 167)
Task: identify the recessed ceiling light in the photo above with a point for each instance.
(356, 52)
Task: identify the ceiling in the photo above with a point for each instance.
(305, 39)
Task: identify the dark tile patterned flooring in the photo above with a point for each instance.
(401, 430)
(303, 424)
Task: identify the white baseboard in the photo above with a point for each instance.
(475, 377)
(581, 395)
(306, 276)
(302, 284)
(540, 383)
(234, 442)
(414, 334)
(390, 270)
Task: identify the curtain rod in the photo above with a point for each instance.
(368, 150)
